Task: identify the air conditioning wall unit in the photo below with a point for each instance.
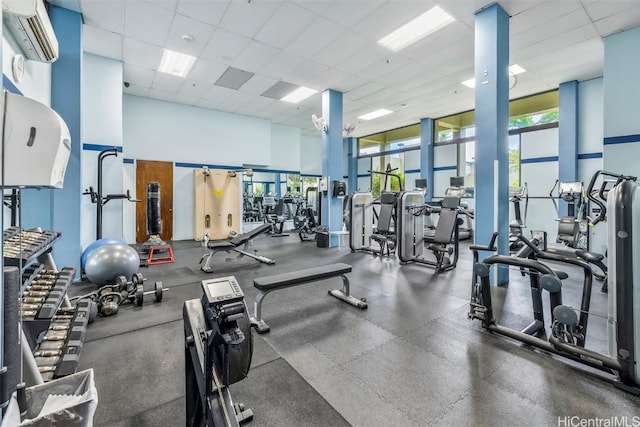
(29, 23)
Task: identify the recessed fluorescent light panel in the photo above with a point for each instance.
(514, 69)
(176, 63)
(416, 29)
(375, 114)
(471, 83)
(298, 95)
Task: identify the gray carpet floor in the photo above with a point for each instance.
(412, 359)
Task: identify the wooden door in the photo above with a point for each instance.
(161, 172)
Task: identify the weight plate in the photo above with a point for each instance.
(158, 292)
(121, 282)
(139, 298)
(137, 279)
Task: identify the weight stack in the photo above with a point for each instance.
(11, 348)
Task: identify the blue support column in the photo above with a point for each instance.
(426, 154)
(276, 179)
(568, 136)
(332, 157)
(66, 75)
(352, 180)
(492, 139)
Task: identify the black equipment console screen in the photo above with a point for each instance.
(221, 290)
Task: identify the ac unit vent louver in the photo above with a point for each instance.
(29, 23)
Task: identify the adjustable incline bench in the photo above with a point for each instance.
(300, 277)
(234, 245)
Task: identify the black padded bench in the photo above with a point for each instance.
(234, 244)
(286, 280)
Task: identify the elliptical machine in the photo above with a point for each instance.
(516, 195)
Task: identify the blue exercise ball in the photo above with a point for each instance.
(96, 245)
(109, 261)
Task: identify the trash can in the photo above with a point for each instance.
(322, 236)
(70, 400)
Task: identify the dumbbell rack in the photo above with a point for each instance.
(53, 330)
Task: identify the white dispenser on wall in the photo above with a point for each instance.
(36, 143)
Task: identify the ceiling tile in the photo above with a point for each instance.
(137, 75)
(598, 10)
(167, 82)
(186, 99)
(205, 72)
(252, 16)
(136, 90)
(165, 4)
(285, 25)
(237, 100)
(364, 90)
(257, 104)
(191, 89)
(161, 94)
(341, 49)
(316, 37)
(280, 64)
(102, 42)
(209, 12)
(224, 46)
(304, 72)
(105, 15)
(183, 26)
(254, 57)
(363, 58)
(258, 84)
(331, 78)
(349, 13)
(208, 103)
(141, 54)
(389, 17)
(218, 94)
(550, 29)
(147, 22)
(615, 23)
(539, 15)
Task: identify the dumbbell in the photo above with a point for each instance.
(157, 293)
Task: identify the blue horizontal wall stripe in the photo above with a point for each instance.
(445, 168)
(128, 161)
(310, 175)
(412, 171)
(622, 139)
(589, 156)
(8, 85)
(539, 160)
(363, 175)
(199, 165)
(98, 147)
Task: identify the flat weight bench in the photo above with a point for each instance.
(300, 277)
(234, 245)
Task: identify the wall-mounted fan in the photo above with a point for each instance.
(348, 130)
(319, 122)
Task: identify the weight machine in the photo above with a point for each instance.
(569, 325)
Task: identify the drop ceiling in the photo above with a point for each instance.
(332, 45)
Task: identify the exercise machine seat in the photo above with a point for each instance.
(383, 235)
(589, 256)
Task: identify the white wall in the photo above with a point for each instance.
(285, 148)
(310, 155)
(165, 131)
(102, 125)
(35, 84)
